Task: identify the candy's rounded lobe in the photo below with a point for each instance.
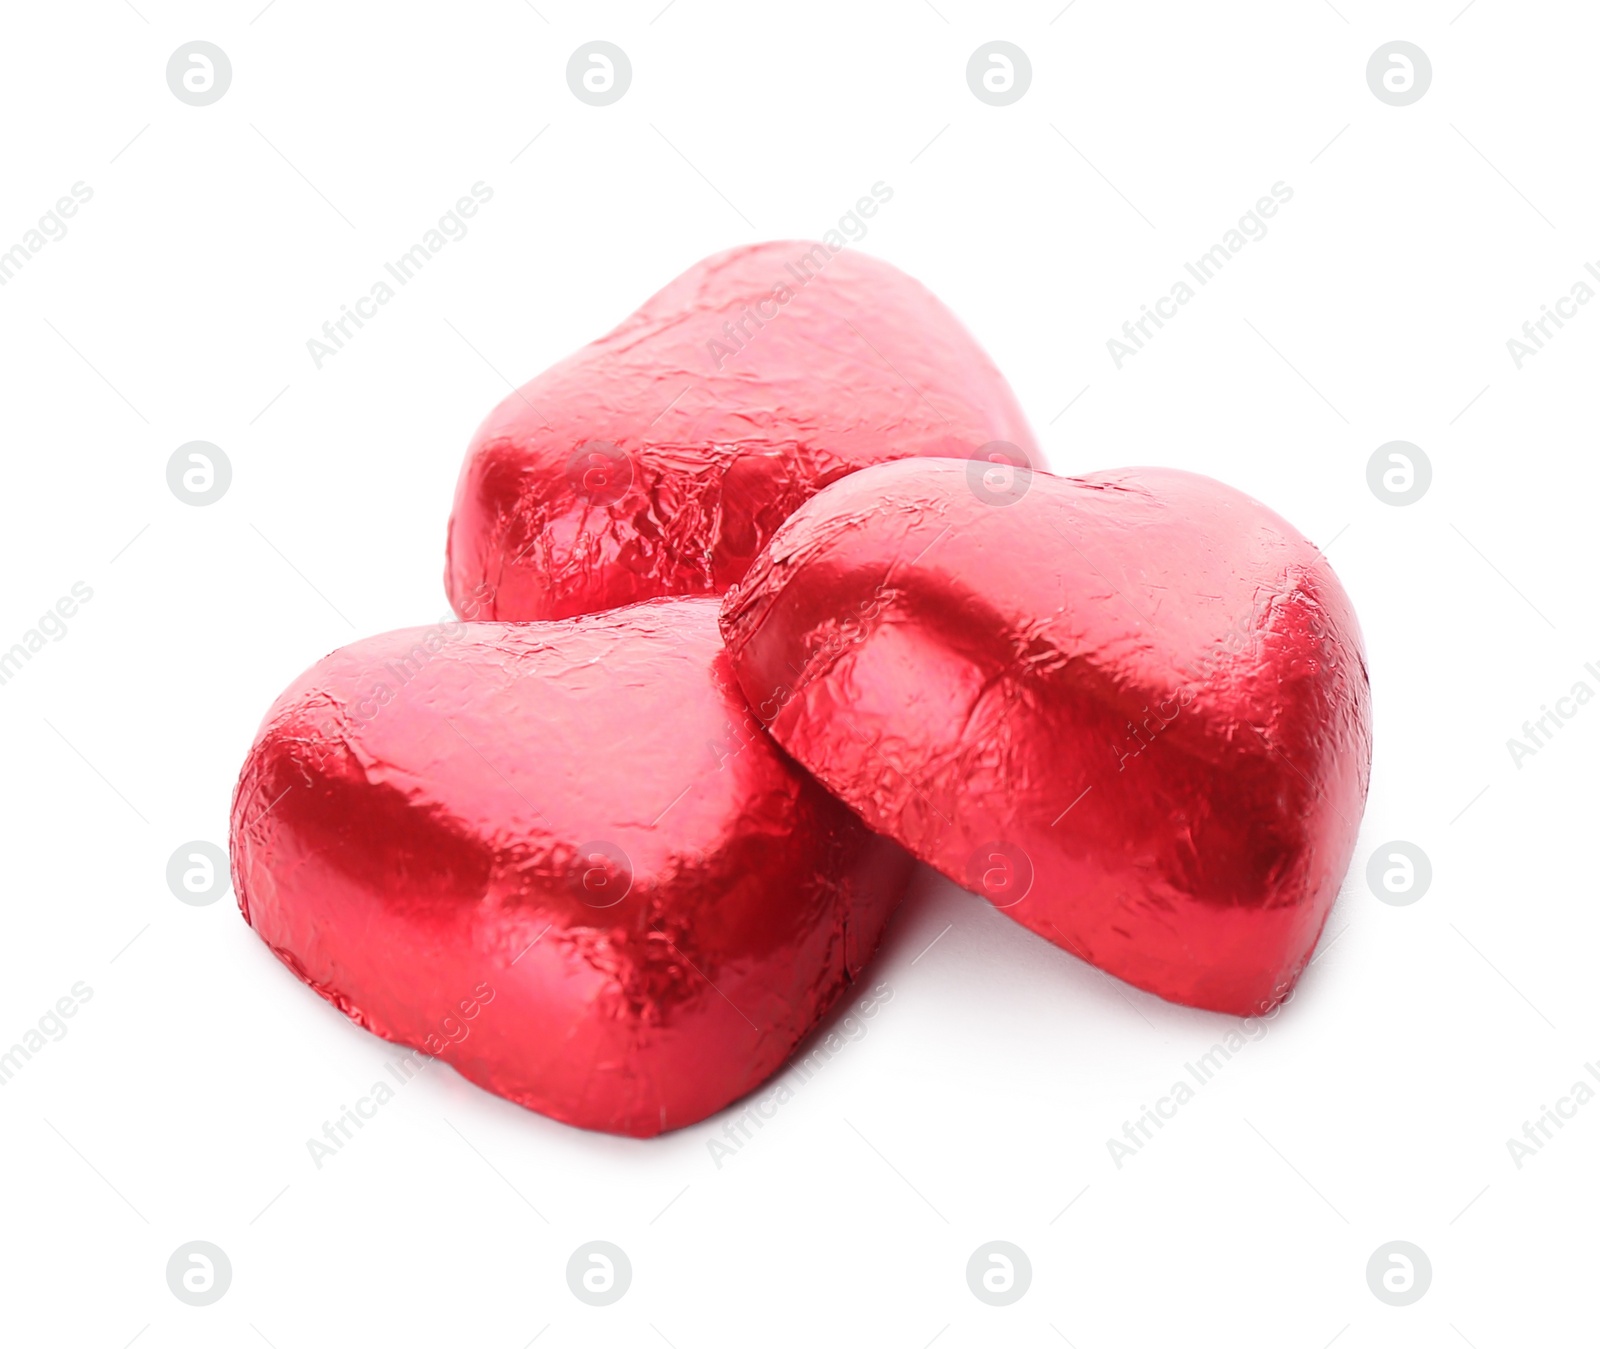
(659, 459)
(1131, 708)
(560, 856)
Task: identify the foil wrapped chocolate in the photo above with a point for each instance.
(659, 459)
(560, 856)
(1131, 708)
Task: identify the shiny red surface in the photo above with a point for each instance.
(653, 462)
(560, 856)
(1131, 708)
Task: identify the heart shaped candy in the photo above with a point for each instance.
(560, 856)
(1131, 708)
(660, 458)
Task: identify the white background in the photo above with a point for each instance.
(1376, 1107)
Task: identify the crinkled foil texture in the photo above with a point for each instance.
(659, 459)
(560, 856)
(1131, 708)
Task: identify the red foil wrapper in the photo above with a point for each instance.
(1130, 708)
(659, 459)
(561, 857)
